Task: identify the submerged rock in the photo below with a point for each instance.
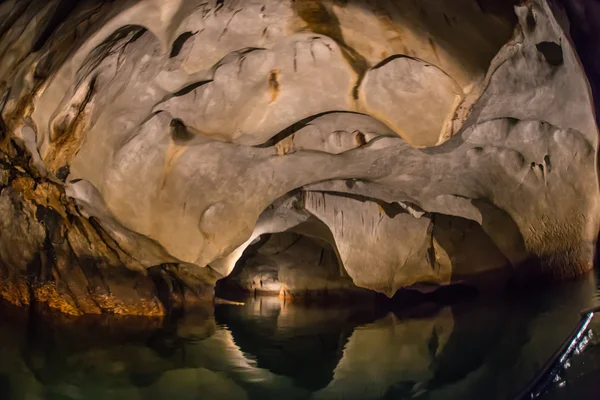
(146, 145)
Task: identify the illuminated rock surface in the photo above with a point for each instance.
(146, 145)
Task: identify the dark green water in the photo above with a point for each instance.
(479, 349)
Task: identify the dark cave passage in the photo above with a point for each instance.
(290, 265)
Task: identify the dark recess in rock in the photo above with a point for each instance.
(548, 164)
(20, 8)
(61, 13)
(96, 56)
(189, 88)
(179, 42)
(360, 139)
(531, 22)
(290, 130)
(44, 68)
(552, 52)
(179, 132)
(63, 172)
(167, 288)
(392, 58)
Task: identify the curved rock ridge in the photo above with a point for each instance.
(151, 147)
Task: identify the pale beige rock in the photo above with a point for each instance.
(415, 98)
(185, 130)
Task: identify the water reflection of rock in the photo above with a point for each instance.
(498, 346)
(188, 359)
(300, 341)
(389, 353)
(268, 349)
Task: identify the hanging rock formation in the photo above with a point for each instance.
(147, 144)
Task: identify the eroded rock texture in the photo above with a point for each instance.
(147, 144)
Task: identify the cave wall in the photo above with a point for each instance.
(146, 144)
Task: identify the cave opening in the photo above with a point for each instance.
(294, 199)
(290, 265)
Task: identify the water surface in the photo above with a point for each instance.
(270, 349)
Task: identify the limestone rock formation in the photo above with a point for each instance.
(147, 144)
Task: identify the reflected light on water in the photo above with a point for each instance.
(273, 349)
